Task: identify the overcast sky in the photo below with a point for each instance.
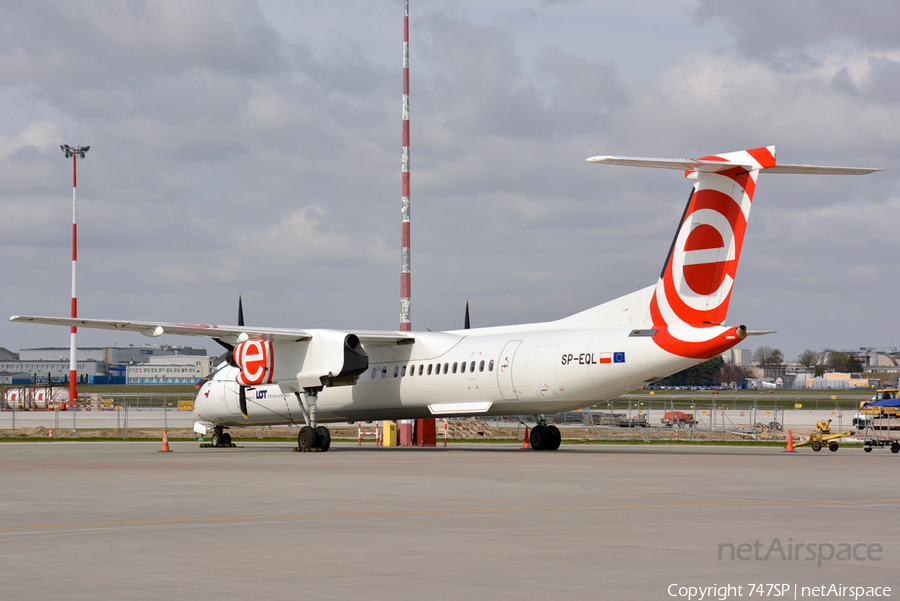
(254, 148)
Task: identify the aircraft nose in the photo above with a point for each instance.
(201, 401)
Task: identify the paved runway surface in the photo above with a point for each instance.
(122, 521)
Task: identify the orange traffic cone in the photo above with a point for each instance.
(51, 433)
(790, 446)
(527, 443)
(165, 448)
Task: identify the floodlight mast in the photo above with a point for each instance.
(74, 152)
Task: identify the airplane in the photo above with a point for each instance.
(280, 376)
(764, 383)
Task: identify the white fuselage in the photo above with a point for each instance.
(489, 371)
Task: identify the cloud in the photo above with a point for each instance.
(786, 34)
(96, 42)
(253, 148)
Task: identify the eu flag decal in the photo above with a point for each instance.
(619, 357)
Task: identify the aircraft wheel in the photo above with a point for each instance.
(308, 438)
(324, 438)
(833, 446)
(226, 439)
(867, 448)
(539, 438)
(895, 447)
(216, 439)
(816, 445)
(554, 438)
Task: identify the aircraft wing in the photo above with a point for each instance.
(229, 334)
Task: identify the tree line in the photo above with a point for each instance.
(717, 371)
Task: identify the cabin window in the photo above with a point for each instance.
(446, 368)
(472, 366)
(384, 371)
(412, 370)
(396, 370)
(455, 365)
(462, 367)
(374, 369)
(430, 366)
(481, 366)
(491, 365)
(403, 370)
(421, 367)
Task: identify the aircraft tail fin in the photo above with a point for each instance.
(690, 301)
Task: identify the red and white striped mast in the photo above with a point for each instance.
(405, 284)
(74, 153)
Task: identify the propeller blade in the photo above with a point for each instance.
(467, 326)
(242, 396)
(225, 345)
(240, 311)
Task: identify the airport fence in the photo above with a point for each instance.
(120, 421)
(741, 418)
(628, 417)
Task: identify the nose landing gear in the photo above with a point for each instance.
(220, 438)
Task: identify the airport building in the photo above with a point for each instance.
(95, 365)
(183, 369)
(110, 354)
(737, 356)
(57, 371)
(9, 377)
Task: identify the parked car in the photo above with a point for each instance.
(678, 418)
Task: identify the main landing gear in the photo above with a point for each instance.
(312, 437)
(544, 437)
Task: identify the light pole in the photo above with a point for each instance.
(74, 152)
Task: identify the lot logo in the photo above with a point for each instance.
(256, 358)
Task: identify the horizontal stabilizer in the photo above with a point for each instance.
(700, 165)
(760, 332)
(745, 160)
(815, 170)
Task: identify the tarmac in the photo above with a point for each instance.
(120, 520)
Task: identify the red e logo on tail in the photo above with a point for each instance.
(256, 358)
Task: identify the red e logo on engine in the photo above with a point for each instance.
(256, 358)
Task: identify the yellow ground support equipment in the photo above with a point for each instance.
(823, 436)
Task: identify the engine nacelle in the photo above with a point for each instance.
(329, 358)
